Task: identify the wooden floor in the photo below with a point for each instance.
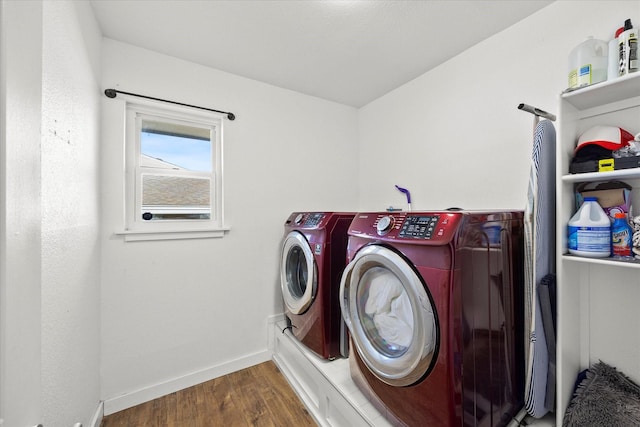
(256, 396)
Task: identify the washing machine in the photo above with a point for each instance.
(433, 302)
(312, 260)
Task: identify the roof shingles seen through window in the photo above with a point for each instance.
(162, 190)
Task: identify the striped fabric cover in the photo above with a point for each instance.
(539, 262)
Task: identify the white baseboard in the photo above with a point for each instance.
(147, 394)
(98, 416)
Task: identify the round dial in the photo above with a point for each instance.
(298, 219)
(384, 224)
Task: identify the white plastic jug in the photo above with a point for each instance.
(588, 63)
(590, 231)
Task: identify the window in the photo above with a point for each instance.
(174, 170)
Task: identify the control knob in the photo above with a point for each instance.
(298, 219)
(384, 224)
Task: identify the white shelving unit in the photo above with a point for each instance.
(598, 299)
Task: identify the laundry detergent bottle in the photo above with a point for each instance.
(621, 237)
(588, 63)
(590, 231)
(628, 49)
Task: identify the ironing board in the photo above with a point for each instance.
(539, 224)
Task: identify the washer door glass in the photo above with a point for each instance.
(298, 275)
(390, 315)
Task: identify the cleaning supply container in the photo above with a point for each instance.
(621, 237)
(588, 63)
(628, 49)
(590, 231)
(613, 69)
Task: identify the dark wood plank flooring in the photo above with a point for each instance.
(256, 396)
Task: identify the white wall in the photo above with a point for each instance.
(464, 141)
(50, 253)
(70, 213)
(176, 312)
(21, 103)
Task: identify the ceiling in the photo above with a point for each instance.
(350, 52)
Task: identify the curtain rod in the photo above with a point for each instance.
(111, 93)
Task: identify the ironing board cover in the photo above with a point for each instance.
(539, 227)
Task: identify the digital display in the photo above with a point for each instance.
(313, 219)
(419, 227)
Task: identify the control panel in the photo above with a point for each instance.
(306, 219)
(429, 228)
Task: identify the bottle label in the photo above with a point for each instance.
(633, 52)
(622, 57)
(627, 52)
(573, 78)
(590, 239)
(584, 75)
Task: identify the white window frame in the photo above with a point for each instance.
(135, 227)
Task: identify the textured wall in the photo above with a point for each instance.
(175, 308)
(50, 255)
(70, 214)
(20, 90)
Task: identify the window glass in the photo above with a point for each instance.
(296, 271)
(174, 197)
(167, 148)
(176, 145)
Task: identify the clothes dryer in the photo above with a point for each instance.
(434, 306)
(312, 260)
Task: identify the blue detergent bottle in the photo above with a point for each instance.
(621, 237)
(589, 231)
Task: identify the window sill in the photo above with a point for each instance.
(139, 236)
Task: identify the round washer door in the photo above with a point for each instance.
(298, 273)
(390, 315)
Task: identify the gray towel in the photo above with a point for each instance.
(606, 397)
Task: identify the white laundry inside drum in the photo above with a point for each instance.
(388, 306)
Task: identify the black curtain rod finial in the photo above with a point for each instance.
(111, 93)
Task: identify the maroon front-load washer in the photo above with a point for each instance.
(312, 260)
(434, 305)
